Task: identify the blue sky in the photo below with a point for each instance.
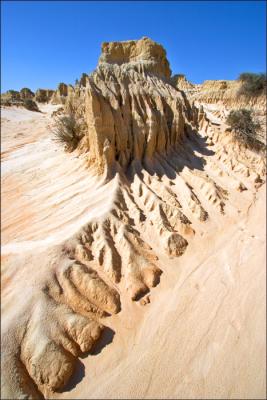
(44, 43)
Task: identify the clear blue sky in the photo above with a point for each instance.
(44, 43)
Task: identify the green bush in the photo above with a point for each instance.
(252, 84)
(26, 93)
(245, 127)
(14, 94)
(67, 131)
(30, 105)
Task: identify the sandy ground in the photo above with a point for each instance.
(203, 333)
(55, 199)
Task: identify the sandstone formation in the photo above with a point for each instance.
(219, 97)
(166, 168)
(181, 83)
(83, 80)
(227, 93)
(144, 55)
(43, 95)
(132, 104)
(60, 95)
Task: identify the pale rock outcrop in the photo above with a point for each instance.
(130, 110)
(145, 55)
(128, 117)
(180, 82)
(43, 95)
(222, 92)
(60, 95)
(219, 97)
(83, 80)
(227, 93)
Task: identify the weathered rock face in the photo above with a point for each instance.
(130, 117)
(181, 83)
(227, 93)
(131, 113)
(83, 80)
(144, 55)
(60, 95)
(221, 96)
(43, 95)
(171, 167)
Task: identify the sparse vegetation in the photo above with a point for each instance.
(67, 131)
(26, 93)
(5, 102)
(245, 127)
(30, 105)
(19, 99)
(14, 94)
(58, 112)
(10, 97)
(252, 84)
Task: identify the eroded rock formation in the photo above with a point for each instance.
(144, 55)
(43, 95)
(181, 83)
(168, 166)
(60, 95)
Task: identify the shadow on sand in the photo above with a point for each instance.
(79, 373)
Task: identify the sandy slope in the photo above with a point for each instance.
(203, 333)
(43, 200)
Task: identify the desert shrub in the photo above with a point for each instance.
(67, 131)
(13, 94)
(58, 112)
(5, 102)
(30, 105)
(245, 127)
(26, 93)
(252, 84)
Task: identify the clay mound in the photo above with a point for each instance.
(166, 170)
